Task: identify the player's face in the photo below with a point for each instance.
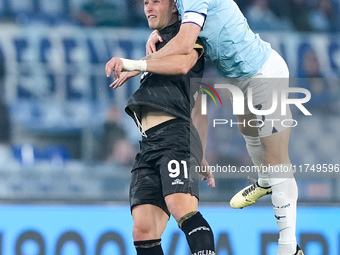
(160, 13)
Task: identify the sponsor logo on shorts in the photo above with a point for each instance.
(177, 182)
(205, 252)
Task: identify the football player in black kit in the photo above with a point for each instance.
(164, 181)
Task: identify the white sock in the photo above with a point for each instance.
(256, 152)
(284, 199)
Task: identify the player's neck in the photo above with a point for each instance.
(169, 25)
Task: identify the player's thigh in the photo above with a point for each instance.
(180, 204)
(178, 169)
(247, 124)
(147, 203)
(263, 107)
(180, 183)
(149, 222)
(276, 148)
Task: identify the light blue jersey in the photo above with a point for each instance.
(227, 39)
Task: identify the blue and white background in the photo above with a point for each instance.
(58, 196)
(106, 230)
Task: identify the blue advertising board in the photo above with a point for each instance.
(104, 230)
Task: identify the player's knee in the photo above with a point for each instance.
(149, 221)
(274, 155)
(175, 209)
(198, 233)
(180, 204)
(271, 159)
(143, 231)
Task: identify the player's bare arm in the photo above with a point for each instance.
(170, 65)
(124, 77)
(201, 124)
(181, 44)
(173, 65)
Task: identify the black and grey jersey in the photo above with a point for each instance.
(169, 93)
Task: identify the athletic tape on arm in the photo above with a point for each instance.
(134, 65)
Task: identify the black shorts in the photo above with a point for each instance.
(166, 163)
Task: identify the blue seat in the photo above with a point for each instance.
(28, 154)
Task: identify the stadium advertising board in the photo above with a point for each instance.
(104, 230)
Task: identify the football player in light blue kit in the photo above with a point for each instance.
(239, 53)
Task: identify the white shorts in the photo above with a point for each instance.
(267, 85)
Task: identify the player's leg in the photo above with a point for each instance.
(180, 204)
(280, 175)
(184, 208)
(256, 151)
(274, 145)
(284, 188)
(278, 179)
(149, 222)
(265, 96)
(272, 150)
(276, 148)
(148, 208)
(180, 184)
(254, 145)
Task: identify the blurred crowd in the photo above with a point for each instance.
(269, 15)
(113, 142)
(298, 15)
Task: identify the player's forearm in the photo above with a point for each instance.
(201, 123)
(169, 65)
(172, 65)
(173, 47)
(182, 44)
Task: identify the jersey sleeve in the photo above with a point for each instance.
(195, 11)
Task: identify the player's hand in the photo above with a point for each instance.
(124, 77)
(154, 38)
(207, 175)
(114, 65)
